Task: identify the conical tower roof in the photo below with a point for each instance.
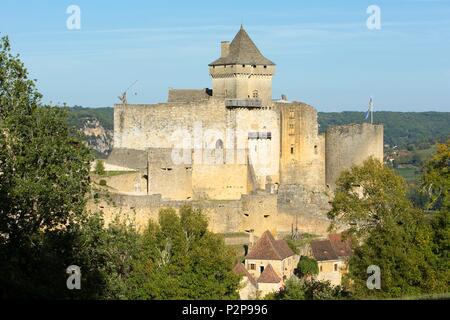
(243, 51)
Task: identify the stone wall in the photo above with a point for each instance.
(128, 183)
(173, 181)
(302, 148)
(351, 145)
(128, 158)
(264, 151)
(188, 95)
(166, 125)
(252, 214)
(220, 181)
(241, 82)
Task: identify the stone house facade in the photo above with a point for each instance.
(332, 256)
(267, 266)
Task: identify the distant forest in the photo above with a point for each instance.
(79, 115)
(407, 130)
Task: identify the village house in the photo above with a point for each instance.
(332, 256)
(268, 265)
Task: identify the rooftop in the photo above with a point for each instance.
(341, 247)
(323, 251)
(333, 248)
(242, 51)
(240, 269)
(269, 276)
(267, 248)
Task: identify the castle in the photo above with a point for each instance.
(251, 162)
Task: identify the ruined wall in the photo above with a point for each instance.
(165, 125)
(251, 214)
(173, 181)
(302, 149)
(351, 145)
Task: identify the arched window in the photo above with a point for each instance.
(219, 144)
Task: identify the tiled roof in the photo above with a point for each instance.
(240, 269)
(242, 51)
(323, 251)
(269, 276)
(267, 248)
(341, 247)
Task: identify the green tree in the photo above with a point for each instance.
(403, 251)
(301, 289)
(368, 196)
(371, 202)
(183, 260)
(100, 167)
(44, 179)
(44, 167)
(307, 267)
(436, 178)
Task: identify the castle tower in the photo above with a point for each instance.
(242, 72)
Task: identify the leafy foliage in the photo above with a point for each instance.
(408, 245)
(44, 167)
(100, 167)
(183, 260)
(78, 116)
(44, 177)
(301, 289)
(307, 267)
(436, 178)
(368, 196)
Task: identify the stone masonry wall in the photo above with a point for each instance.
(302, 148)
(351, 145)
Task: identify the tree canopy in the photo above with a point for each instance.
(183, 260)
(406, 243)
(307, 267)
(436, 178)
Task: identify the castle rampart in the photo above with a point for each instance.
(251, 163)
(350, 145)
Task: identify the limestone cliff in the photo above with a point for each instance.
(97, 137)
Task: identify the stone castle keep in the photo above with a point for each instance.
(251, 162)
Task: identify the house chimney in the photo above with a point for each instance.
(225, 48)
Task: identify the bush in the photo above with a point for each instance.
(307, 267)
(100, 168)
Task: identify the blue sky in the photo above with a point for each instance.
(325, 54)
